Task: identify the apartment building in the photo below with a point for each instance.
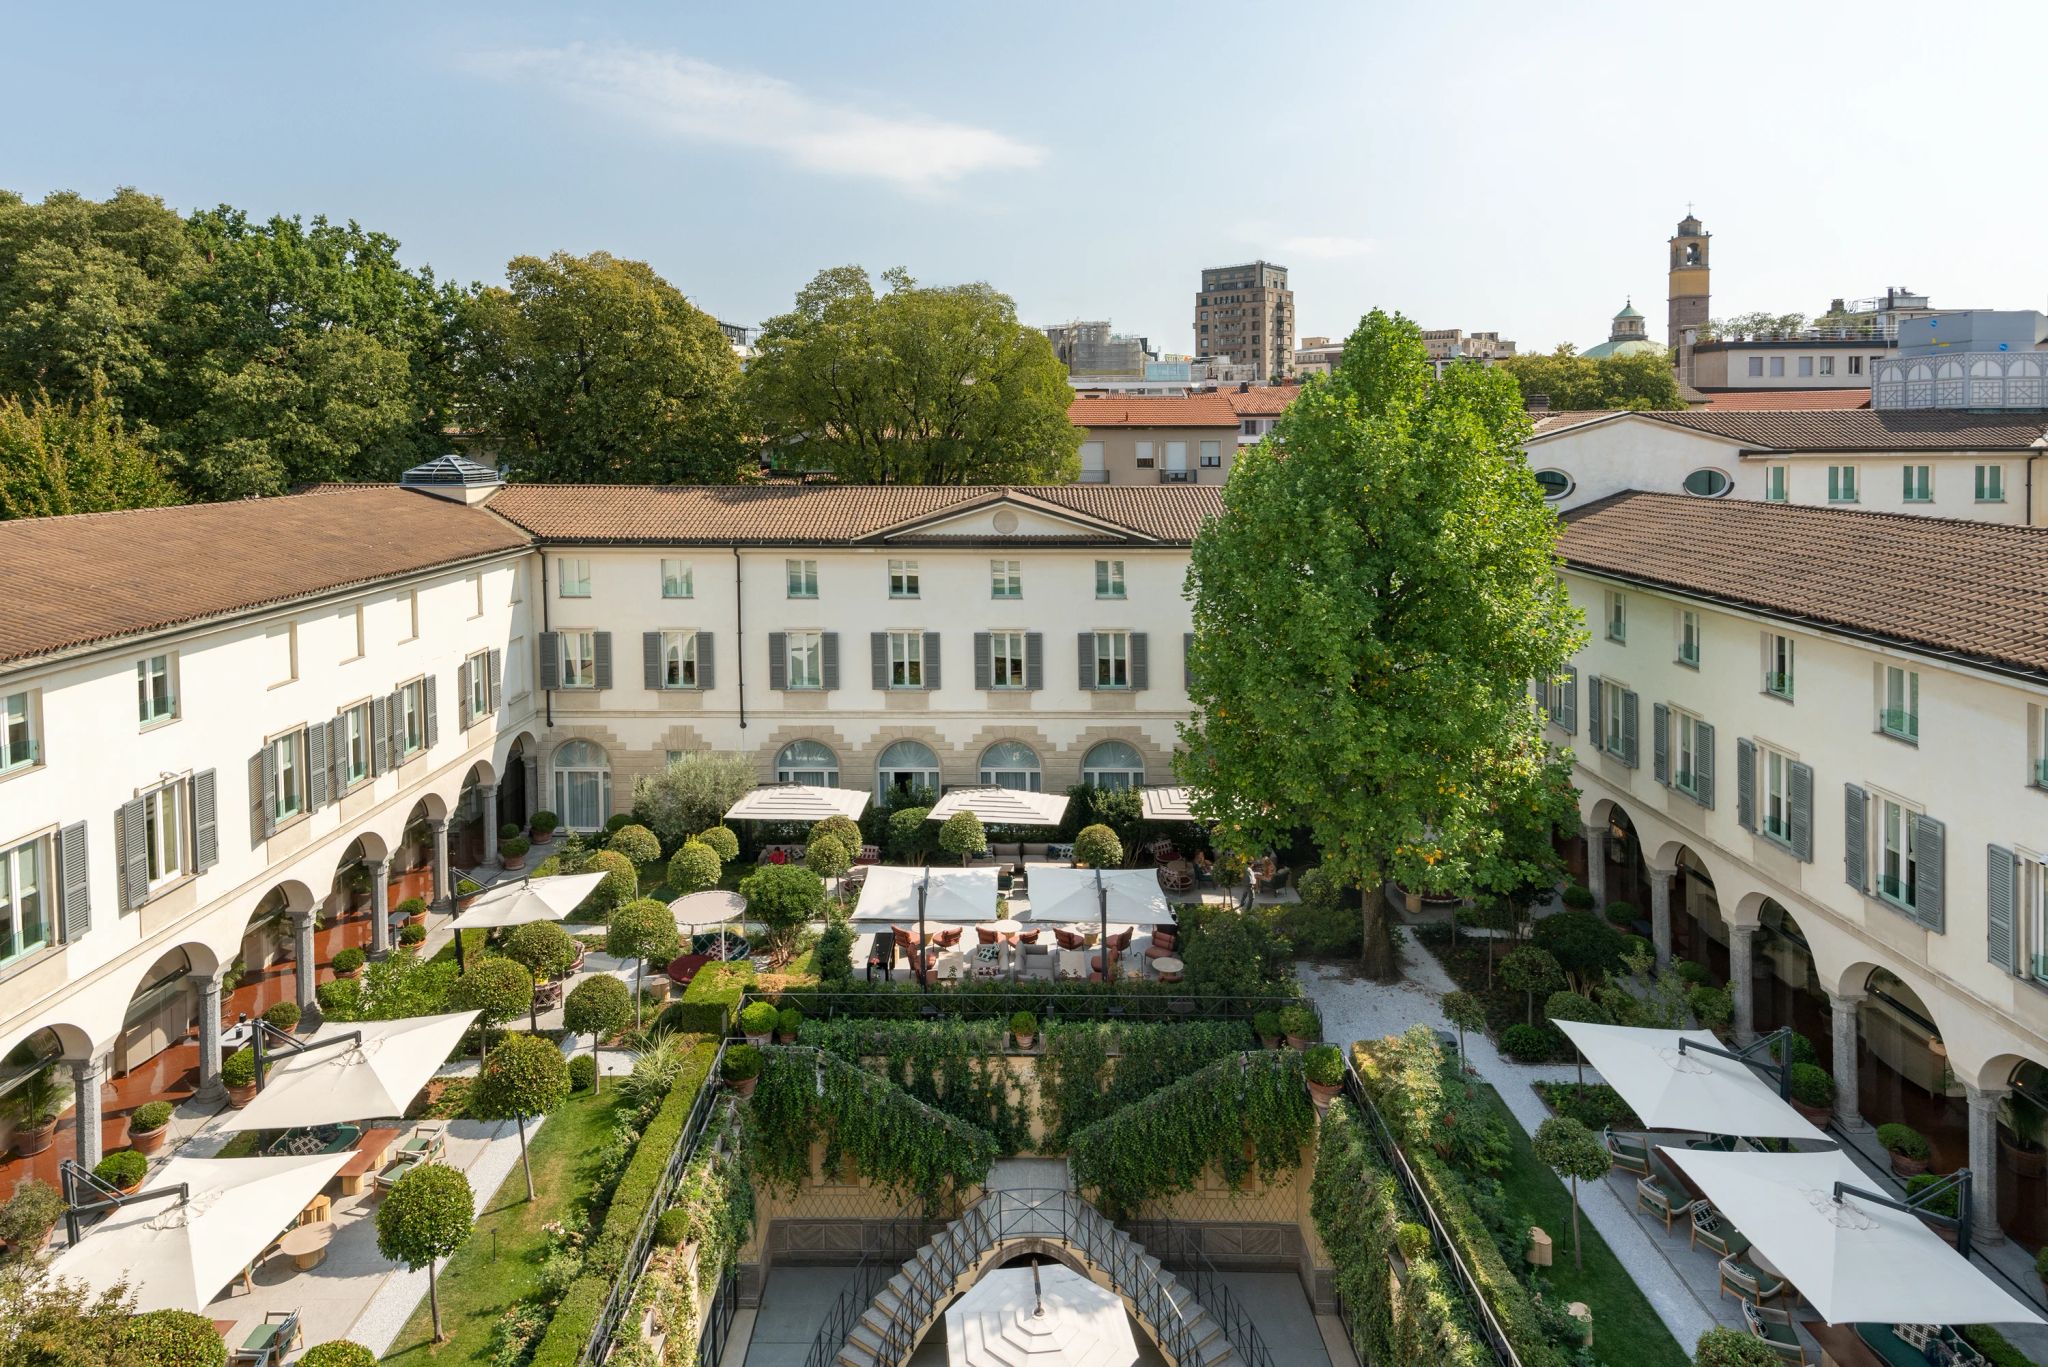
(1812, 747)
(1247, 313)
(1133, 439)
(1258, 409)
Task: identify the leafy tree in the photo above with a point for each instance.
(1569, 1149)
(963, 834)
(1224, 950)
(596, 1007)
(75, 457)
(593, 369)
(1097, 847)
(693, 868)
(1367, 609)
(527, 1076)
(1574, 1006)
(846, 828)
(428, 1214)
(545, 950)
(497, 989)
(1584, 945)
(1529, 970)
(637, 843)
(621, 883)
(827, 854)
(910, 836)
(917, 385)
(641, 930)
(1466, 1012)
(692, 793)
(1574, 383)
(783, 897)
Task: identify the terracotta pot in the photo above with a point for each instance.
(1024, 1041)
(785, 1037)
(761, 1041)
(2025, 1162)
(31, 1140)
(1903, 1166)
(148, 1141)
(1297, 1041)
(351, 975)
(745, 1087)
(238, 1097)
(1818, 1116)
(1271, 1041)
(512, 861)
(1412, 901)
(1324, 1093)
(540, 839)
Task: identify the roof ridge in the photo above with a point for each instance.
(1772, 508)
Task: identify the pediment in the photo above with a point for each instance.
(1003, 517)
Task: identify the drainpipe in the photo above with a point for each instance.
(550, 694)
(739, 630)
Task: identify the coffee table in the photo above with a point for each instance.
(306, 1245)
(1169, 969)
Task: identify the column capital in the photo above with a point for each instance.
(1849, 1000)
(437, 824)
(378, 865)
(1741, 929)
(1985, 1098)
(487, 789)
(1658, 875)
(300, 919)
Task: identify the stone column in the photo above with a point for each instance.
(1844, 1004)
(444, 886)
(380, 907)
(1660, 914)
(1596, 865)
(210, 1089)
(88, 1075)
(1984, 1104)
(489, 793)
(1742, 980)
(304, 969)
(533, 802)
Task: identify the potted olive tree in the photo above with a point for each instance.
(1024, 1026)
(1298, 1023)
(35, 1106)
(1266, 1025)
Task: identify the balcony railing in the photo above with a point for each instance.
(1778, 684)
(1900, 722)
(1176, 476)
(1095, 476)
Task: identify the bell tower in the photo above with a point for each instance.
(1688, 294)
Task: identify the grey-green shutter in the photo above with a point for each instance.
(1628, 729)
(462, 717)
(380, 734)
(1086, 650)
(1799, 783)
(1745, 783)
(74, 883)
(1596, 714)
(878, 654)
(828, 651)
(1660, 743)
(778, 660)
(931, 659)
(650, 660)
(551, 659)
(1703, 764)
(1034, 660)
(1568, 702)
(494, 662)
(337, 755)
(205, 821)
(2002, 908)
(704, 660)
(984, 662)
(262, 794)
(430, 704)
(1930, 850)
(1141, 666)
(315, 757)
(602, 648)
(131, 854)
(1855, 821)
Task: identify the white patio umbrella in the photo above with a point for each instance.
(178, 1254)
(530, 899)
(1166, 804)
(1045, 1316)
(1689, 1089)
(366, 1079)
(708, 909)
(896, 894)
(797, 802)
(1857, 1261)
(1069, 896)
(1003, 806)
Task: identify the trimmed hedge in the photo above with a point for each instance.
(711, 1000)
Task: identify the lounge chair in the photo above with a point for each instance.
(268, 1342)
(1711, 1227)
(1748, 1281)
(1630, 1155)
(1662, 1194)
(1037, 962)
(1776, 1329)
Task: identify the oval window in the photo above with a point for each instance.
(1707, 483)
(1555, 483)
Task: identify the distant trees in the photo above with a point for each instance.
(75, 456)
(1576, 383)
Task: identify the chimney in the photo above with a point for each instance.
(1244, 386)
(1538, 403)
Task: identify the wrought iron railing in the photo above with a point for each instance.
(718, 1317)
(1181, 1254)
(1063, 1002)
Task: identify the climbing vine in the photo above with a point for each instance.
(1091, 1070)
(956, 1066)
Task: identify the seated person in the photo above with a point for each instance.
(1205, 867)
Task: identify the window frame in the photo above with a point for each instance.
(1109, 580)
(1210, 453)
(1775, 481)
(565, 585)
(679, 648)
(991, 776)
(2033, 917)
(1616, 621)
(1842, 484)
(1781, 665)
(288, 764)
(1006, 580)
(578, 671)
(39, 847)
(1011, 647)
(1119, 776)
(686, 582)
(904, 579)
(147, 680)
(31, 727)
(1774, 786)
(800, 578)
(1906, 895)
(827, 778)
(1995, 483)
(813, 654)
(906, 660)
(1112, 660)
(1685, 752)
(1688, 638)
(356, 741)
(412, 713)
(1902, 721)
(1925, 488)
(167, 851)
(1612, 738)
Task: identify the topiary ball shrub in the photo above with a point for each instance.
(1728, 1348)
(621, 885)
(1096, 847)
(349, 960)
(410, 934)
(1266, 1025)
(1713, 1007)
(637, 843)
(543, 823)
(672, 1230)
(1812, 1086)
(1299, 1023)
(170, 1338)
(30, 1214)
(963, 836)
(514, 847)
(123, 1169)
(1528, 1043)
(787, 1022)
(153, 1115)
(411, 907)
(239, 1068)
(1024, 1025)
(285, 1016)
(828, 854)
(844, 827)
(758, 1019)
(1621, 915)
(616, 822)
(742, 1063)
(722, 841)
(338, 1353)
(1323, 1065)
(582, 1072)
(694, 867)
(1694, 974)
(1904, 1141)
(1578, 897)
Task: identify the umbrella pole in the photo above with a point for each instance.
(1102, 903)
(924, 978)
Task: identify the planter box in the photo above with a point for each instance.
(148, 1141)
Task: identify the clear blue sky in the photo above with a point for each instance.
(1483, 166)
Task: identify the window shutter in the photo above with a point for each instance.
(1187, 660)
(1800, 781)
(931, 659)
(650, 660)
(1703, 764)
(262, 793)
(1034, 660)
(1745, 783)
(1141, 668)
(337, 755)
(205, 821)
(1628, 729)
(1660, 743)
(131, 854)
(494, 662)
(380, 734)
(1930, 848)
(429, 703)
(829, 655)
(2001, 908)
(601, 648)
(462, 717)
(315, 777)
(704, 675)
(74, 882)
(1855, 817)
(778, 660)
(878, 651)
(1087, 653)
(1596, 715)
(1568, 701)
(984, 661)
(551, 659)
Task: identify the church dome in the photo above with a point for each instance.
(1628, 310)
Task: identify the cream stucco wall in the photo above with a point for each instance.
(1120, 453)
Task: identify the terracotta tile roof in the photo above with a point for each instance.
(1546, 423)
(1978, 590)
(819, 514)
(1867, 429)
(1782, 400)
(1262, 400)
(1139, 410)
(74, 581)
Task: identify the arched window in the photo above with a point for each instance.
(906, 765)
(1113, 764)
(1554, 483)
(1708, 483)
(807, 762)
(1011, 764)
(583, 785)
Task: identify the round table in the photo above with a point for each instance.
(1009, 925)
(1169, 969)
(306, 1245)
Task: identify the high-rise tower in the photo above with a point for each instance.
(1688, 302)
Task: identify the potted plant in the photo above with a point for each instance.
(512, 851)
(35, 1106)
(786, 1022)
(1813, 1093)
(2023, 1120)
(238, 1075)
(1907, 1146)
(29, 1215)
(1024, 1026)
(509, 830)
(1411, 1241)
(543, 825)
(1266, 1025)
(123, 1171)
(1298, 1023)
(148, 1125)
(1324, 1068)
(742, 1069)
(348, 963)
(411, 933)
(758, 1021)
(1944, 1204)
(284, 1015)
(355, 881)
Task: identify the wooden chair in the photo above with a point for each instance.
(268, 1342)
(1630, 1155)
(1748, 1281)
(1711, 1228)
(1776, 1329)
(1663, 1195)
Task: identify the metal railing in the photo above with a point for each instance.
(1180, 1253)
(884, 1250)
(718, 1317)
(1063, 1002)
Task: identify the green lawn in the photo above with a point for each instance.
(1625, 1326)
(501, 1262)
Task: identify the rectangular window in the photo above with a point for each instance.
(156, 697)
(1991, 484)
(903, 581)
(163, 829)
(1919, 484)
(1685, 753)
(2034, 915)
(1092, 469)
(410, 728)
(1617, 616)
(1144, 449)
(1006, 659)
(575, 579)
(18, 747)
(1898, 874)
(678, 659)
(579, 659)
(1806, 367)
(1212, 455)
(409, 604)
(1855, 365)
(288, 758)
(1777, 367)
(1841, 484)
(1176, 456)
(1756, 367)
(1109, 579)
(1006, 579)
(1827, 365)
(479, 699)
(803, 578)
(805, 652)
(1778, 665)
(1901, 715)
(1612, 736)
(1774, 483)
(1777, 803)
(678, 579)
(1112, 659)
(906, 659)
(25, 920)
(355, 727)
(1689, 637)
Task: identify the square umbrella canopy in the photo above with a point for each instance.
(797, 802)
(1166, 804)
(1857, 1261)
(178, 1254)
(369, 1079)
(1003, 806)
(1078, 896)
(1691, 1090)
(529, 899)
(954, 896)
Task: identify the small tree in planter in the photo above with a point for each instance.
(543, 825)
(1465, 1012)
(963, 835)
(784, 897)
(757, 1022)
(497, 989)
(723, 842)
(348, 963)
(1266, 1025)
(1298, 1023)
(414, 910)
(1323, 1066)
(694, 867)
(411, 935)
(1813, 1092)
(284, 1015)
(527, 1076)
(1571, 1006)
(545, 950)
(148, 1125)
(642, 930)
(1908, 1147)
(512, 854)
(35, 1106)
(1577, 897)
(238, 1075)
(123, 1171)
(827, 854)
(428, 1214)
(1096, 847)
(637, 843)
(742, 1068)
(597, 1007)
(1024, 1026)
(30, 1214)
(621, 884)
(1529, 971)
(1569, 1149)
(787, 1022)
(846, 828)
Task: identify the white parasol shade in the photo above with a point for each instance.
(1166, 804)
(954, 896)
(178, 1255)
(530, 899)
(708, 908)
(366, 1080)
(1003, 806)
(1690, 1090)
(1068, 896)
(1064, 1320)
(797, 802)
(1857, 1261)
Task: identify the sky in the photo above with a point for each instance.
(1484, 166)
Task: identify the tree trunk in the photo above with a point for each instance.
(434, 1301)
(1578, 1258)
(523, 1163)
(1489, 958)
(1376, 958)
(639, 967)
(597, 1069)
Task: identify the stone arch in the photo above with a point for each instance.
(1055, 772)
(482, 770)
(829, 736)
(1158, 759)
(930, 737)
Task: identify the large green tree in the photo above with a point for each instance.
(1369, 609)
(75, 456)
(1579, 384)
(593, 369)
(916, 385)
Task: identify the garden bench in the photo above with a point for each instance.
(367, 1158)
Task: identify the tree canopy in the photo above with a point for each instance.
(1575, 383)
(75, 456)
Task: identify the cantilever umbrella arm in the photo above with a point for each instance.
(1959, 1181)
(1781, 1072)
(289, 1046)
(71, 1174)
